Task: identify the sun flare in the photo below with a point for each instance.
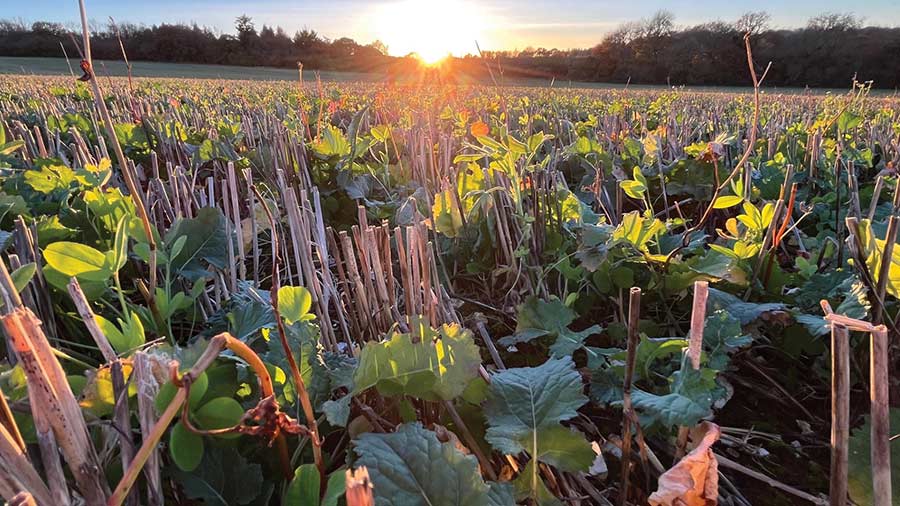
(431, 29)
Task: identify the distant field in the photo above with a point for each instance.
(58, 66)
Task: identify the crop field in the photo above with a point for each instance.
(59, 67)
(236, 292)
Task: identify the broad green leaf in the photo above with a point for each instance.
(669, 409)
(523, 411)
(224, 478)
(524, 401)
(744, 312)
(74, 259)
(50, 178)
(410, 467)
(219, 413)
(689, 400)
(304, 487)
(551, 318)
(50, 230)
(115, 337)
(566, 449)
(633, 189)
(333, 143)
(337, 411)
(501, 494)
(185, 447)
(294, 303)
(639, 176)
(206, 243)
(722, 335)
(439, 366)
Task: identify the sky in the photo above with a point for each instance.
(449, 25)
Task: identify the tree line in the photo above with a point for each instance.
(830, 51)
(180, 43)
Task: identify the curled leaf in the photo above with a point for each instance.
(694, 480)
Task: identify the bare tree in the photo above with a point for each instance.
(660, 25)
(753, 22)
(834, 21)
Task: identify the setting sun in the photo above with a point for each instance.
(431, 29)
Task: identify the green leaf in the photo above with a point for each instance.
(185, 447)
(9, 148)
(120, 245)
(848, 120)
(722, 335)
(439, 366)
(552, 318)
(224, 478)
(744, 312)
(304, 487)
(115, 337)
(294, 303)
(874, 248)
(168, 390)
(381, 133)
(639, 176)
(669, 409)
(566, 449)
(530, 485)
(410, 467)
(207, 241)
(523, 411)
(337, 411)
(524, 401)
(50, 178)
(219, 413)
(22, 276)
(74, 259)
(501, 494)
(336, 487)
(689, 401)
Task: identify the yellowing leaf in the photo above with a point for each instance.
(447, 218)
(638, 230)
(726, 201)
(294, 303)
